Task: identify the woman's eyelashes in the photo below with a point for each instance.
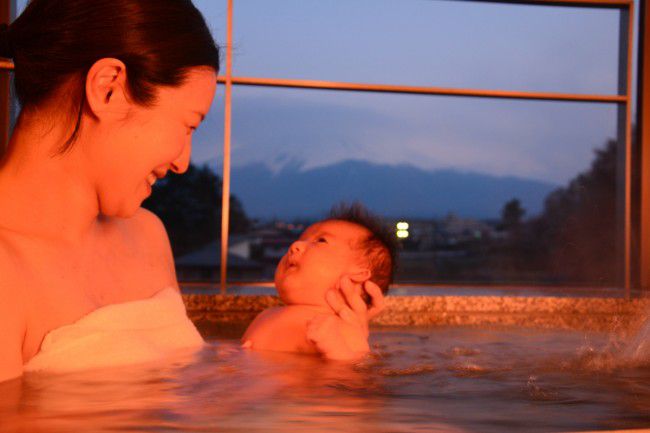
(321, 240)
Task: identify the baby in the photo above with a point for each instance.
(349, 253)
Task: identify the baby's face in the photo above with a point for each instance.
(316, 262)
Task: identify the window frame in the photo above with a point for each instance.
(623, 99)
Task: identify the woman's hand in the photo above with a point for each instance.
(336, 339)
(348, 304)
(345, 336)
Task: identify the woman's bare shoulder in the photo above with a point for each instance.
(154, 240)
(146, 238)
(144, 222)
(144, 228)
(150, 226)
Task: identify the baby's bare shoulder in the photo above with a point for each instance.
(279, 328)
(292, 315)
(265, 322)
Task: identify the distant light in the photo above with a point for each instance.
(402, 225)
(402, 234)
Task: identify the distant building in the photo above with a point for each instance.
(456, 230)
(204, 264)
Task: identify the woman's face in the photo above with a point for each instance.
(132, 154)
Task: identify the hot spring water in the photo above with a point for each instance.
(418, 379)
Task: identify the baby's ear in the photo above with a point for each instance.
(360, 275)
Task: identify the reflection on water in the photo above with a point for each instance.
(637, 349)
(428, 379)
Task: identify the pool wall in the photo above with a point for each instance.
(594, 314)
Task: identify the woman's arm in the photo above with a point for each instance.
(12, 331)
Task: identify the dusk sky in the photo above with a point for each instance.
(416, 42)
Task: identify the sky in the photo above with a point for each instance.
(443, 43)
(417, 42)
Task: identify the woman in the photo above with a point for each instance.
(110, 94)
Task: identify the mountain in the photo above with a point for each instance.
(390, 190)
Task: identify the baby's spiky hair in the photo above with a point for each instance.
(380, 247)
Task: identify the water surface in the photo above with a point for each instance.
(419, 379)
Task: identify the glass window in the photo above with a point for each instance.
(494, 191)
(500, 191)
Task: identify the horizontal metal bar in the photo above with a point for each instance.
(6, 64)
(385, 88)
(618, 4)
(422, 90)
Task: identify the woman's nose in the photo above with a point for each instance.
(180, 164)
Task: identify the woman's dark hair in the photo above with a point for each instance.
(54, 41)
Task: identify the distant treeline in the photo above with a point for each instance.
(572, 241)
(190, 207)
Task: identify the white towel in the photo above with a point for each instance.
(119, 334)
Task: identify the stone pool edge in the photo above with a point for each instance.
(592, 314)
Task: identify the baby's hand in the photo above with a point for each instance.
(336, 339)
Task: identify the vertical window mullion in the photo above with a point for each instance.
(225, 194)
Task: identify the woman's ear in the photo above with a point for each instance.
(106, 89)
